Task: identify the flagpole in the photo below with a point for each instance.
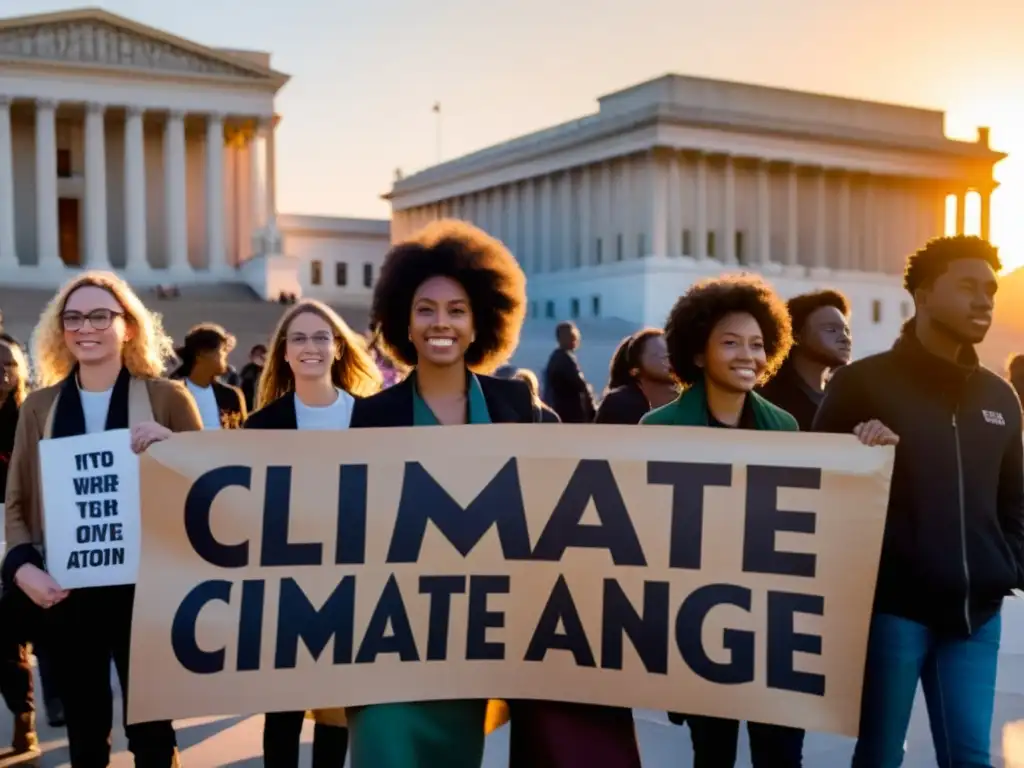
(437, 111)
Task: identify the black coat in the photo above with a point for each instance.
(8, 426)
(954, 533)
(623, 405)
(566, 390)
(278, 414)
(230, 403)
(786, 390)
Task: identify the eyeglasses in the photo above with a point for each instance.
(99, 319)
(319, 339)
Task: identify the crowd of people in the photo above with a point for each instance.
(446, 316)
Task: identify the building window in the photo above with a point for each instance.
(598, 255)
(876, 311)
(574, 308)
(905, 309)
(341, 273)
(595, 306)
(63, 163)
(741, 248)
(687, 243)
(711, 245)
(641, 245)
(549, 309)
(367, 275)
(316, 272)
(618, 247)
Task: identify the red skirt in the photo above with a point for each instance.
(552, 734)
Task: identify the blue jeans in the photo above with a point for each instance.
(958, 676)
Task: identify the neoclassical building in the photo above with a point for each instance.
(125, 147)
(679, 178)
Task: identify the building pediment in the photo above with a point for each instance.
(97, 38)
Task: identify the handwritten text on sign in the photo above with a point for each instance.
(652, 567)
(91, 509)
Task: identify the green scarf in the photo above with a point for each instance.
(690, 409)
(422, 416)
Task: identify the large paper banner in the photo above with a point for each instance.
(708, 571)
(91, 509)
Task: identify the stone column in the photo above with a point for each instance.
(586, 205)
(175, 211)
(216, 253)
(530, 251)
(134, 192)
(567, 255)
(674, 242)
(869, 257)
(8, 244)
(257, 178)
(764, 214)
(512, 239)
(821, 222)
(627, 210)
(961, 211)
(659, 206)
(792, 218)
(701, 235)
(607, 216)
(728, 244)
(47, 224)
(96, 250)
(986, 214)
(546, 219)
(845, 251)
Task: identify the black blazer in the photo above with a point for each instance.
(230, 403)
(278, 414)
(508, 401)
(623, 405)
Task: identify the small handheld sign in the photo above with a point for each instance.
(91, 509)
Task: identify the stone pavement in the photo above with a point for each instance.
(235, 741)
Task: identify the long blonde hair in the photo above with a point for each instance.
(144, 354)
(20, 392)
(355, 372)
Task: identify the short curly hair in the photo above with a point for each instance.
(800, 307)
(492, 279)
(926, 264)
(698, 311)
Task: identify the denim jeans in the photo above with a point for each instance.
(958, 676)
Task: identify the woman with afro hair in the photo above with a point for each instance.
(726, 336)
(449, 305)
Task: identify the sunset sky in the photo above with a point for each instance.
(366, 75)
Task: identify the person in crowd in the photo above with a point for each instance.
(723, 337)
(16, 684)
(618, 367)
(1015, 374)
(316, 368)
(507, 371)
(821, 343)
(450, 305)
(954, 532)
(642, 376)
(566, 389)
(204, 358)
(528, 377)
(99, 354)
(250, 375)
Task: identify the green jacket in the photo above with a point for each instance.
(690, 410)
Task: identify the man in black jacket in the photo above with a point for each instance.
(566, 390)
(955, 526)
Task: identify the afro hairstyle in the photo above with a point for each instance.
(698, 311)
(928, 263)
(482, 265)
(801, 307)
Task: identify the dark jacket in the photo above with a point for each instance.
(792, 394)
(279, 414)
(566, 390)
(249, 380)
(955, 526)
(8, 427)
(623, 405)
(508, 402)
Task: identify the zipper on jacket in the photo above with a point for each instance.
(963, 525)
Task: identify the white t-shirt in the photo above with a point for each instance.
(337, 415)
(95, 406)
(209, 411)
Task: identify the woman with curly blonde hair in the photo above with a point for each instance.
(99, 354)
(316, 369)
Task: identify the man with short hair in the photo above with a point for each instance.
(821, 343)
(566, 389)
(955, 524)
(250, 375)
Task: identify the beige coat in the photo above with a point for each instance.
(169, 404)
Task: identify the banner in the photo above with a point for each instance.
(711, 571)
(91, 509)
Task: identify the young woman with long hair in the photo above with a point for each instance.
(204, 358)
(639, 379)
(99, 354)
(449, 304)
(315, 369)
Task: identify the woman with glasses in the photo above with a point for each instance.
(315, 370)
(98, 354)
(204, 358)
